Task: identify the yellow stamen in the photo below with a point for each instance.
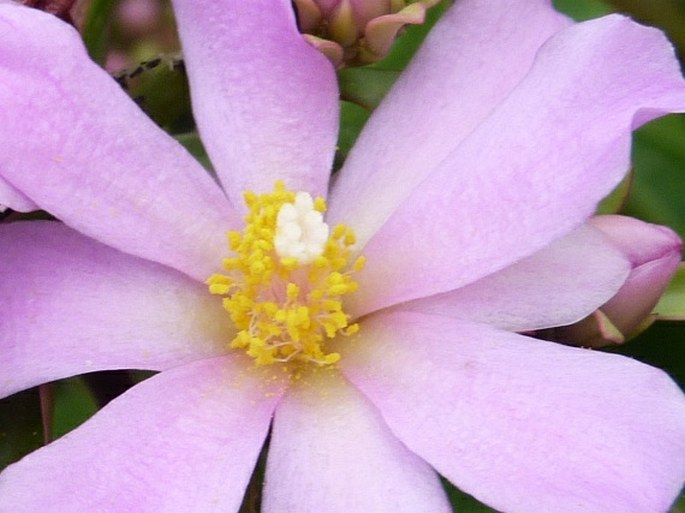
(285, 309)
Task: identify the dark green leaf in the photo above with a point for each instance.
(658, 191)
(615, 201)
(662, 346)
(96, 28)
(353, 118)
(192, 142)
(365, 86)
(160, 88)
(583, 9)
(74, 404)
(463, 502)
(21, 430)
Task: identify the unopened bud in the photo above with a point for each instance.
(357, 32)
(654, 254)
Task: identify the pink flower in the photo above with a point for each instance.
(654, 256)
(468, 191)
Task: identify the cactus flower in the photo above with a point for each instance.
(371, 326)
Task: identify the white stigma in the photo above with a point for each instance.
(301, 232)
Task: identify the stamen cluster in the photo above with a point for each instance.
(283, 307)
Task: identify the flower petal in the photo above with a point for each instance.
(265, 101)
(71, 305)
(77, 146)
(654, 252)
(12, 198)
(524, 425)
(533, 170)
(558, 285)
(469, 63)
(330, 451)
(184, 440)
(654, 255)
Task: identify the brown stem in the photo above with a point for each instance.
(47, 410)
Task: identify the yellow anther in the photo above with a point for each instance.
(292, 291)
(289, 264)
(257, 267)
(219, 288)
(284, 310)
(337, 290)
(219, 278)
(339, 232)
(320, 204)
(231, 263)
(351, 329)
(331, 304)
(331, 358)
(234, 239)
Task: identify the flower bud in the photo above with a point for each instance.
(357, 31)
(654, 254)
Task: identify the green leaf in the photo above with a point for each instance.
(21, 429)
(581, 10)
(679, 506)
(671, 306)
(352, 120)
(96, 28)
(659, 181)
(463, 502)
(74, 404)
(160, 88)
(615, 201)
(192, 142)
(365, 86)
(661, 346)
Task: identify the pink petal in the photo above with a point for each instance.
(534, 169)
(470, 62)
(12, 198)
(558, 285)
(183, 441)
(524, 425)
(654, 252)
(77, 146)
(71, 305)
(639, 241)
(265, 101)
(330, 451)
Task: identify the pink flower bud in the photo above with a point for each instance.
(654, 253)
(357, 31)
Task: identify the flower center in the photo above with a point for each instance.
(283, 287)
